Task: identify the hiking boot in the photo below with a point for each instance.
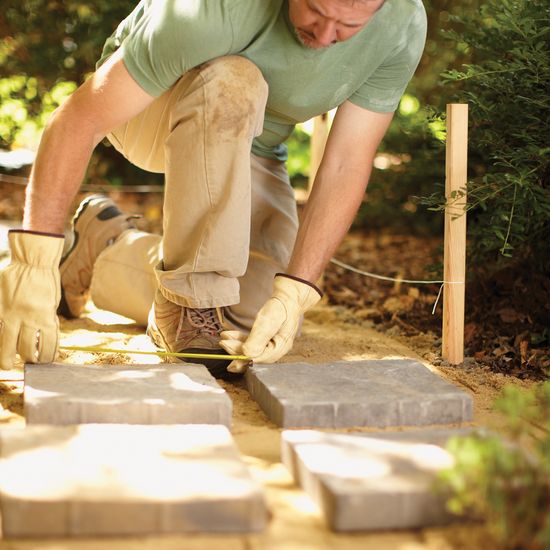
(97, 224)
(182, 329)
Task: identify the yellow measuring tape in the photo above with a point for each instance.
(99, 349)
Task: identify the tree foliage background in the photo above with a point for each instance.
(48, 48)
(493, 54)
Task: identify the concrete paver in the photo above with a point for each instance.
(109, 479)
(372, 481)
(138, 394)
(376, 393)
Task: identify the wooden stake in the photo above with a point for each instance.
(318, 142)
(455, 233)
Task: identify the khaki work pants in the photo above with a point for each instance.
(229, 217)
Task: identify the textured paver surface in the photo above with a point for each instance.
(109, 479)
(137, 394)
(358, 393)
(374, 481)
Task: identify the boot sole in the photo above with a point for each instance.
(63, 308)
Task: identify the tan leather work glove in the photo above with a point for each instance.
(30, 291)
(276, 324)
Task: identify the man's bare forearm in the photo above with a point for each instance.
(331, 208)
(338, 189)
(61, 162)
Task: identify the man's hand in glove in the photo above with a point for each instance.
(29, 295)
(276, 324)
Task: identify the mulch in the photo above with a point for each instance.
(507, 318)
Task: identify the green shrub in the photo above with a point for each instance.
(56, 40)
(507, 484)
(47, 48)
(506, 86)
(22, 114)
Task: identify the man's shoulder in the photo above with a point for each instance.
(404, 9)
(416, 5)
(246, 12)
(250, 18)
(185, 21)
(255, 11)
(403, 17)
(416, 9)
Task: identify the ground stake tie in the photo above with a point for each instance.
(97, 349)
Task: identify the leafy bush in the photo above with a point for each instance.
(56, 40)
(506, 86)
(504, 483)
(47, 49)
(22, 114)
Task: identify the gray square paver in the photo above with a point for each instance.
(372, 481)
(376, 393)
(111, 479)
(126, 394)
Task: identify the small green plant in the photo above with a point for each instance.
(507, 482)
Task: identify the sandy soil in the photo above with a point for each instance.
(296, 523)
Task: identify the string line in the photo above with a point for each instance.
(385, 278)
(397, 280)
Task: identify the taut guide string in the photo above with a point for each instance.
(397, 280)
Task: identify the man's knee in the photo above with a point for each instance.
(239, 93)
(237, 73)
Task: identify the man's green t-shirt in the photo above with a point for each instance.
(162, 39)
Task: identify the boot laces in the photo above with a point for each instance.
(204, 319)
